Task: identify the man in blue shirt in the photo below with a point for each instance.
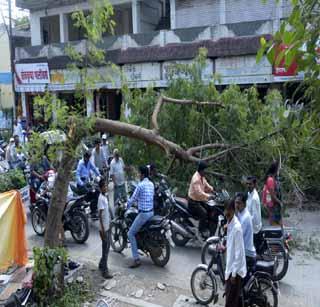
(143, 195)
(245, 220)
(84, 169)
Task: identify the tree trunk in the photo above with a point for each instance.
(54, 227)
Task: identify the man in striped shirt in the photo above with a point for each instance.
(143, 195)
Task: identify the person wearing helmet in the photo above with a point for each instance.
(84, 169)
(105, 149)
(199, 192)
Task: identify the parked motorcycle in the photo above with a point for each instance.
(184, 218)
(271, 246)
(153, 239)
(74, 217)
(258, 288)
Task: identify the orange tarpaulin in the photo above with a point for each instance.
(13, 244)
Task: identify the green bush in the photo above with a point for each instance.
(12, 180)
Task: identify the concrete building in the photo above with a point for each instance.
(150, 36)
(20, 39)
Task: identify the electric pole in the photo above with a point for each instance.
(12, 58)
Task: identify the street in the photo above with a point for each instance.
(300, 287)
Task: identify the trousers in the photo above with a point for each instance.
(140, 220)
(233, 292)
(103, 264)
(198, 211)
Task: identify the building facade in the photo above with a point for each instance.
(150, 36)
(20, 39)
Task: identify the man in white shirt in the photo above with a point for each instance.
(104, 218)
(236, 268)
(105, 149)
(117, 175)
(254, 208)
(97, 157)
(247, 229)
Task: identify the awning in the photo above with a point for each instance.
(30, 88)
(6, 97)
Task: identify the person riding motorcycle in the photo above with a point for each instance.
(83, 176)
(199, 193)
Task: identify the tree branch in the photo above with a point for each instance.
(194, 150)
(164, 99)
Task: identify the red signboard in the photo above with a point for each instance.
(281, 70)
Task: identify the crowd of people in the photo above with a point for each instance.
(244, 225)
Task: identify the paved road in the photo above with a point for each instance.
(299, 288)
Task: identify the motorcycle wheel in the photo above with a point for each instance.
(118, 237)
(203, 285)
(277, 250)
(161, 255)
(38, 220)
(177, 238)
(79, 227)
(262, 293)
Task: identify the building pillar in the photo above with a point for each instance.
(90, 104)
(173, 14)
(35, 29)
(63, 18)
(222, 12)
(136, 18)
(24, 104)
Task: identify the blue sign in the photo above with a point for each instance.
(5, 77)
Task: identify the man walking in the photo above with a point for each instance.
(143, 195)
(117, 175)
(254, 208)
(104, 218)
(105, 149)
(97, 156)
(236, 262)
(247, 229)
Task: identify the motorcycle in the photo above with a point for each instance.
(271, 245)
(184, 218)
(90, 195)
(153, 239)
(74, 217)
(258, 288)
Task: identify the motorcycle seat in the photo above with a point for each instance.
(272, 231)
(265, 266)
(182, 201)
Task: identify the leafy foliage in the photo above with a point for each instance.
(12, 180)
(263, 129)
(45, 283)
(301, 33)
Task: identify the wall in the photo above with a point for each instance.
(5, 51)
(194, 13)
(249, 10)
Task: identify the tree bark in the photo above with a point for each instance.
(54, 227)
